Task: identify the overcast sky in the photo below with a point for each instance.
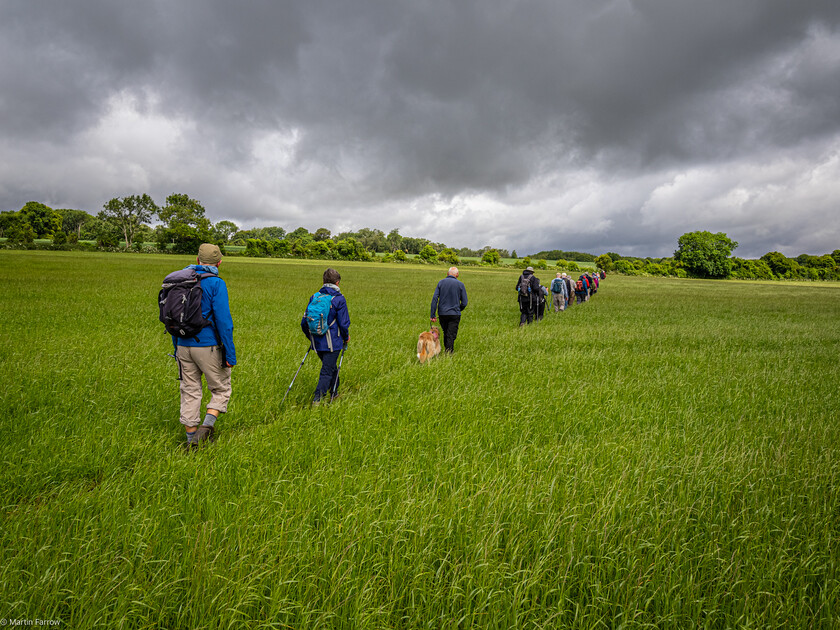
(588, 125)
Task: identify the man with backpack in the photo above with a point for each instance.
(195, 310)
(570, 288)
(448, 300)
(527, 291)
(326, 323)
(559, 293)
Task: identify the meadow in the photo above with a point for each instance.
(664, 456)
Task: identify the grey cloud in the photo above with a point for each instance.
(454, 107)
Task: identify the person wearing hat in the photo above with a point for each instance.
(211, 353)
(570, 288)
(527, 291)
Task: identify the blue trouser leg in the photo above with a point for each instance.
(328, 378)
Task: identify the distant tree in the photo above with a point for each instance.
(394, 240)
(448, 255)
(428, 254)
(704, 254)
(491, 257)
(779, 264)
(299, 233)
(513, 254)
(16, 228)
(400, 256)
(9, 220)
(128, 214)
(322, 234)
(72, 221)
(44, 220)
(185, 226)
(605, 262)
(562, 264)
(59, 238)
(223, 231)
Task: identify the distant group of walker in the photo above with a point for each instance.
(564, 292)
(195, 310)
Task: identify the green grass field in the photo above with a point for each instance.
(665, 456)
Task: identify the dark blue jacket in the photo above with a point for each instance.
(450, 297)
(214, 307)
(338, 319)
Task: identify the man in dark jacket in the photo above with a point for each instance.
(329, 345)
(449, 299)
(527, 289)
(211, 353)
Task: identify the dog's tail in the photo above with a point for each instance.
(422, 352)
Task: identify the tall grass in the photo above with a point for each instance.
(663, 456)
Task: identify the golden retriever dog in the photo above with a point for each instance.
(428, 345)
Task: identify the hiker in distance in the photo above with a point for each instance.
(210, 352)
(448, 300)
(527, 290)
(559, 293)
(326, 323)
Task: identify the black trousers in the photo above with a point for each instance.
(449, 324)
(526, 310)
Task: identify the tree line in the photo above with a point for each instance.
(124, 223)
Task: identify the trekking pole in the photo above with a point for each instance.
(296, 373)
(335, 387)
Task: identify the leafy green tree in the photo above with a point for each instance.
(15, 227)
(59, 238)
(513, 254)
(448, 255)
(223, 231)
(128, 214)
(541, 264)
(8, 220)
(428, 254)
(185, 226)
(562, 264)
(605, 262)
(491, 257)
(44, 220)
(297, 234)
(400, 256)
(704, 254)
(72, 221)
(394, 240)
(322, 234)
(104, 232)
(779, 264)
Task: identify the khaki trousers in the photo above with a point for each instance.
(558, 301)
(193, 363)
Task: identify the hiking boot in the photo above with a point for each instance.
(204, 434)
(315, 403)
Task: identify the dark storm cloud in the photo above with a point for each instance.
(613, 125)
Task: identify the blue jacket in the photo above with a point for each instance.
(450, 297)
(339, 321)
(214, 307)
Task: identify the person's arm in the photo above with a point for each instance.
(223, 321)
(435, 300)
(342, 317)
(463, 296)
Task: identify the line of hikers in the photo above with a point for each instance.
(533, 296)
(195, 310)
